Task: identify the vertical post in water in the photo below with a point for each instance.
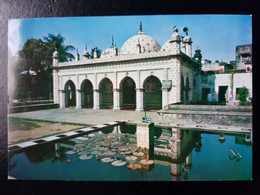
(145, 135)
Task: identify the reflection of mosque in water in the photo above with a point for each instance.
(170, 147)
(174, 148)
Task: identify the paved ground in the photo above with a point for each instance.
(86, 116)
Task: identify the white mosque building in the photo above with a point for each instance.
(140, 74)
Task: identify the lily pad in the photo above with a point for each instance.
(107, 160)
(86, 157)
(118, 163)
(138, 153)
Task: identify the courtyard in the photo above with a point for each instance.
(52, 121)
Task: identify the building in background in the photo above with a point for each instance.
(222, 81)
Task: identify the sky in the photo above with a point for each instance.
(215, 35)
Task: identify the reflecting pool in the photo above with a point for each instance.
(112, 154)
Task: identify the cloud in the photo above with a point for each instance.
(14, 36)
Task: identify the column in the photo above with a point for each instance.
(78, 98)
(96, 94)
(116, 97)
(145, 135)
(55, 87)
(139, 99)
(62, 98)
(165, 99)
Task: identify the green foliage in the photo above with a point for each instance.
(36, 55)
(53, 42)
(242, 95)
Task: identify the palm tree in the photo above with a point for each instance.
(56, 42)
(53, 42)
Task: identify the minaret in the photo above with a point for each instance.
(86, 54)
(175, 38)
(95, 54)
(187, 42)
(198, 55)
(112, 44)
(55, 58)
(77, 55)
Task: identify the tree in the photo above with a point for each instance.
(56, 42)
(53, 42)
(36, 55)
(242, 95)
(30, 73)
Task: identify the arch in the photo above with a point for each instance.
(128, 93)
(70, 94)
(152, 93)
(86, 94)
(106, 93)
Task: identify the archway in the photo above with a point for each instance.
(152, 93)
(106, 94)
(128, 99)
(70, 94)
(87, 94)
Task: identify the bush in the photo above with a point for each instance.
(242, 95)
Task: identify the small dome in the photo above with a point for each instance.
(109, 52)
(187, 39)
(85, 53)
(55, 54)
(147, 43)
(168, 46)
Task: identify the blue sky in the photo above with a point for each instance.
(216, 35)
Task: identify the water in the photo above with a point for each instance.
(182, 156)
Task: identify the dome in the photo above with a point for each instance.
(168, 46)
(147, 43)
(109, 52)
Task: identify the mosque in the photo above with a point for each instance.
(141, 75)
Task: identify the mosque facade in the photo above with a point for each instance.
(139, 75)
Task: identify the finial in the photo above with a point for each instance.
(175, 29)
(112, 41)
(77, 50)
(141, 28)
(86, 47)
(197, 47)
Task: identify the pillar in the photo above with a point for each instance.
(176, 171)
(116, 97)
(62, 98)
(55, 86)
(145, 135)
(164, 99)
(96, 94)
(139, 100)
(78, 98)
(176, 133)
